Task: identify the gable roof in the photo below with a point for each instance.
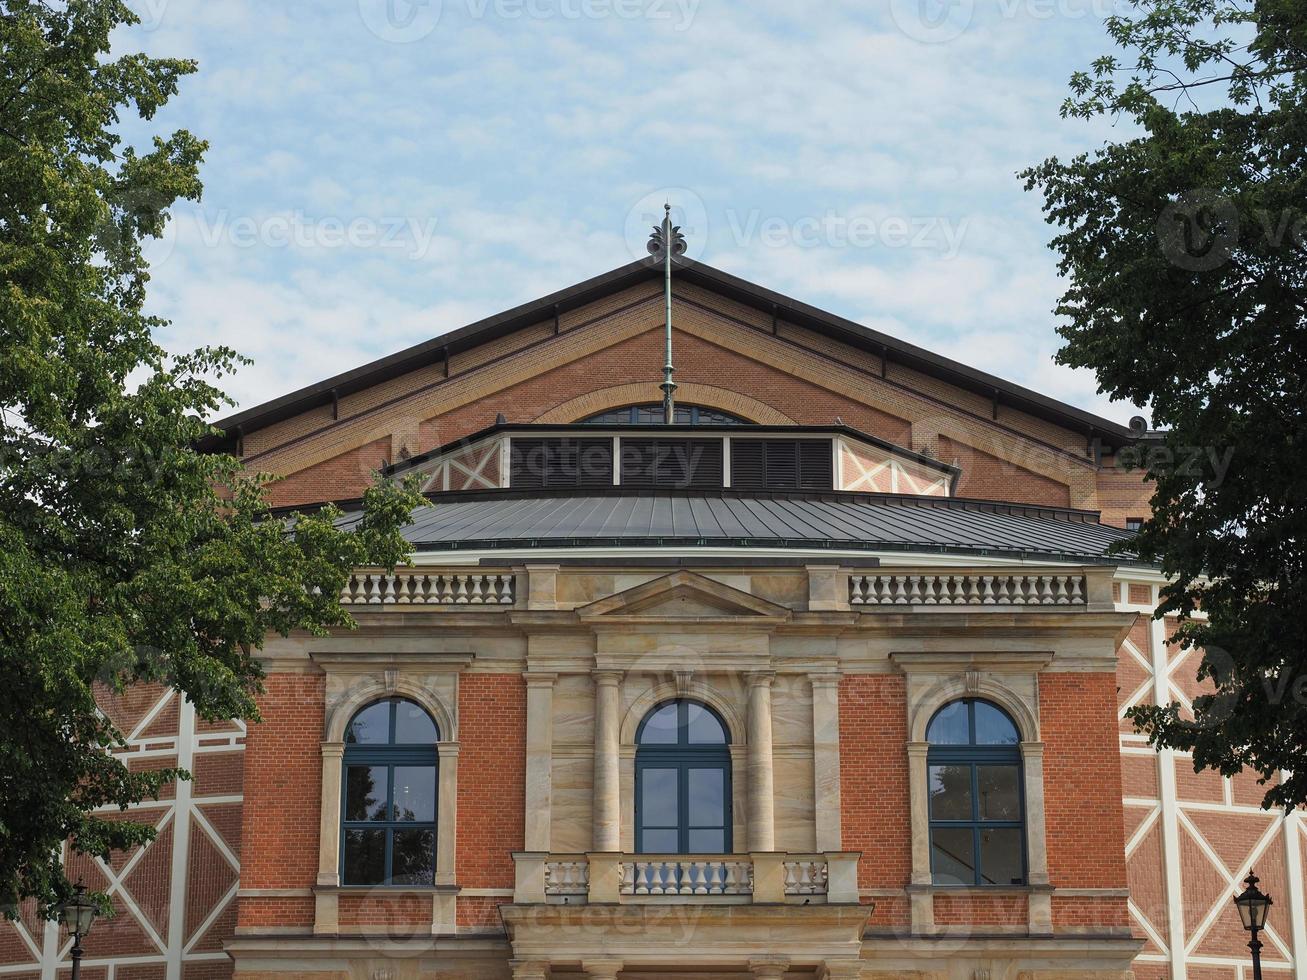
(749, 294)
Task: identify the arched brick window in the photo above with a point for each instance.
(388, 820)
(977, 805)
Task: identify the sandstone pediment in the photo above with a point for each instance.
(684, 597)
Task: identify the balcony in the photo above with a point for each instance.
(612, 878)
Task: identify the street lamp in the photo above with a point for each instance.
(78, 914)
(1253, 906)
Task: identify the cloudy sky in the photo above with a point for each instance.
(382, 171)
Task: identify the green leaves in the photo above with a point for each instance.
(126, 556)
(1185, 251)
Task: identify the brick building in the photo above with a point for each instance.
(826, 678)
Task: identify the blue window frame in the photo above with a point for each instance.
(682, 781)
(977, 801)
(388, 805)
(653, 415)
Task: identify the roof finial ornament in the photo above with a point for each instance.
(666, 243)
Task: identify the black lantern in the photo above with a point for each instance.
(77, 914)
(1253, 907)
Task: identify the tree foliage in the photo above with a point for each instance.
(126, 555)
(1185, 250)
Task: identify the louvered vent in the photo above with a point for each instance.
(781, 464)
(539, 464)
(674, 464)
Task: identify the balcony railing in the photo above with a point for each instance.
(966, 590)
(409, 587)
(608, 877)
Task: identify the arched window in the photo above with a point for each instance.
(977, 810)
(682, 781)
(653, 415)
(388, 829)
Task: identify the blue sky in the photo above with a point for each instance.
(382, 171)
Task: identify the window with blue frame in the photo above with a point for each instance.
(977, 806)
(388, 825)
(682, 781)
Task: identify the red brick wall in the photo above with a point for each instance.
(1082, 781)
(491, 787)
(989, 478)
(283, 799)
(981, 910)
(344, 477)
(874, 812)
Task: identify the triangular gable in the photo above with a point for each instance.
(684, 597)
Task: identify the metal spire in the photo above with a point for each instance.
(666, 242)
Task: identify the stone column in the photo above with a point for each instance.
(604, 969)
(447, 813)
(769, 967)
(539, 759)
(919, 892)
(826, 760)
(607, 764)
(1040, 914)
(333, 754)
(529, 969)
(762, 802)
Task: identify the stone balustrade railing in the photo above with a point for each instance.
(927, 589)
(410, 587)
(615, 878)
(687, 876)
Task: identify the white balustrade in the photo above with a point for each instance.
(806, 876)
(687, 876)
(413, 588)
(918, 589)
(568, 877)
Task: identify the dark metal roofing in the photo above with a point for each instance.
(758, 297)
(865, 522)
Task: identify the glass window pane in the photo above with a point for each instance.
(415, 793)
(950, 792)
(658, 798)
(707, 842)
(660, 842)
(707, 798)
(660, 726)
(951, 856)
(371, 726)
(365, 857)
(949, 726)
(993, 727)
(702, 726)
(1000, 792)
(413, 726)
(413, 857)
(365, 792)
(1000, 857)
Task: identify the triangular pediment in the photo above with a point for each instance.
(684, 597)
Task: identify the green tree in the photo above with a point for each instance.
(1184, 252)
(126, 556)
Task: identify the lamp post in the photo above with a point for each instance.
(1253, 906)
(78, 914)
